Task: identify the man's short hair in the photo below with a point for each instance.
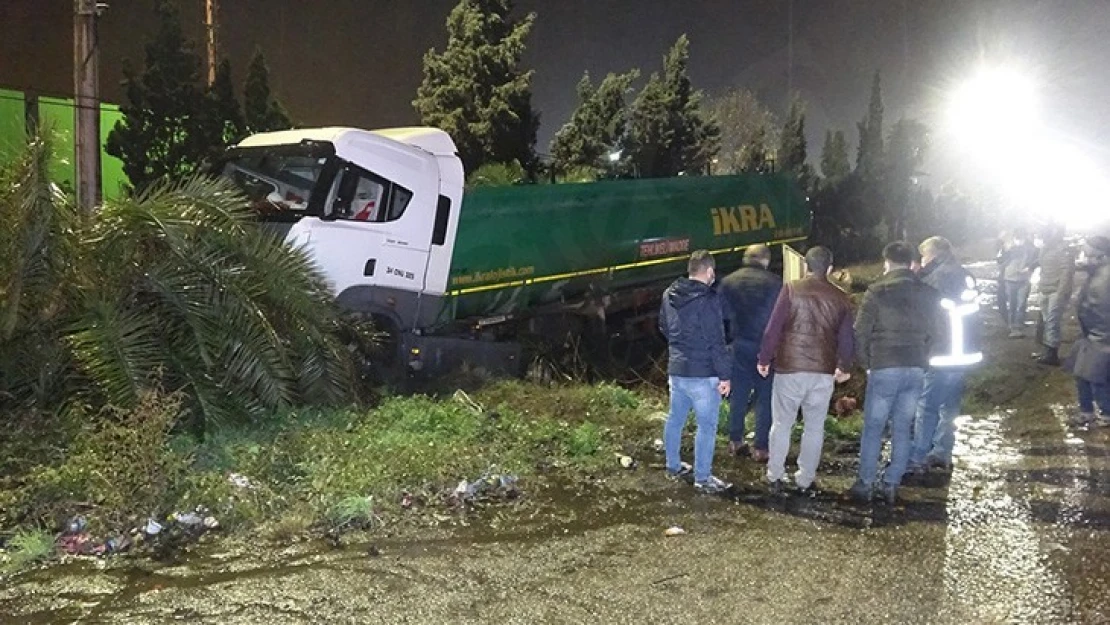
(819, 259)
(898, 253)
(756, 252)
(700, 262)
(935, 246)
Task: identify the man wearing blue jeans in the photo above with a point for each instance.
(749, 295)
(1057, 275)
(1016, 263)
(894, 330)
(935, 424)
(699, 367)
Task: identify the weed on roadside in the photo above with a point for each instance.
(353, 512)
(26, 547)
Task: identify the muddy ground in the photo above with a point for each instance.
(1020, 533)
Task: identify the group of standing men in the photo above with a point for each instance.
(786, 347)
(791, 344)
(1057, 265)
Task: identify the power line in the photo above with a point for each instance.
(68, 104)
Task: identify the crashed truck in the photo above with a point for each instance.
(457, 275)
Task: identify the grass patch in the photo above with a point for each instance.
(585, 440)
(355, 511)
(339, 467)
(290, 527)
(846, 428)
(25, 548)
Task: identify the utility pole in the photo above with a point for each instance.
(210, 8)
(86, 88)
(790, 50)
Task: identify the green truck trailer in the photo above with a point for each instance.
(459, 274)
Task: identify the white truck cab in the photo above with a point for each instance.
(376, 210)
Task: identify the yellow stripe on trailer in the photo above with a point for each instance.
(599, 270)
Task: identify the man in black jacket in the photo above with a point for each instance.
(935, 425)
(749, 295)
(1090, 360)
(895, 328)
(699, 367)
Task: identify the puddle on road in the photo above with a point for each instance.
(994, 567)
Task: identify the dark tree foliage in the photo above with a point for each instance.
(597, 127)
(162, 133)
(669, 133)
(262, 111)
(223, 117)
(475, 89)
(834, 156)
(747, 130)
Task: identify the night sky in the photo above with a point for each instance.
(358, 62)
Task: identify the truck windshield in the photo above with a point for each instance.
(279, 181)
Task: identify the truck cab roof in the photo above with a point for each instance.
(431, 140)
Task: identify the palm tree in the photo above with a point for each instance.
(173, 288)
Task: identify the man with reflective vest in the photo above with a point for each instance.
(935, 425)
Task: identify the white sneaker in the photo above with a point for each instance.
(713, 486)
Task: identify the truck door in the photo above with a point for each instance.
(372, 233)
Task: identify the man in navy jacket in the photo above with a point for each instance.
(699, 366)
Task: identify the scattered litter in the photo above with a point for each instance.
(117, 544)
(674, 531)
(490, 485)
(658, 444)
(75, 544)
(407, 501)
(240, 481)
(628, 462)
(188, 519)
(153, 528)
(77, 525)
(211, 523)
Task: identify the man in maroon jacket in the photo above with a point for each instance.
(809, 342)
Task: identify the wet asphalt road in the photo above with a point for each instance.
(1020, 533)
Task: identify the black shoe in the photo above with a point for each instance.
(1050, 357)
(739, 450)
(776, 489)
(890, 494)
(810, 491)
(860, 492)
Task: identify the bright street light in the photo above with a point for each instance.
(993, 109)
(995, 117)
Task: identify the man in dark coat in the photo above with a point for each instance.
(1090, 359)
(749, 296)
(699, 367)
(897, 324)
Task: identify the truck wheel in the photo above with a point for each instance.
(374, 341)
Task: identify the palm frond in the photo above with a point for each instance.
(118, 349)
